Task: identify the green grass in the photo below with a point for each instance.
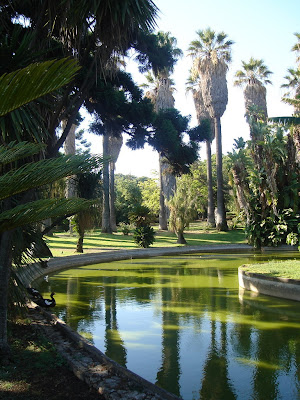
(278, 269)
(62, 244)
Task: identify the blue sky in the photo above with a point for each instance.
(261, 29)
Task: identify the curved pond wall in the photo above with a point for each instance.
(34, 271)
(277, 287)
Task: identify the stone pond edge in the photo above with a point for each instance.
(277, 287)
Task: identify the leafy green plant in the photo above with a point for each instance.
(144, 236)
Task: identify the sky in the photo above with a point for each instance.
(262, 29)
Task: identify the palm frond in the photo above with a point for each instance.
(15, 151)
(32, 175)
(40, 210)
(286, 120)
(43, 77)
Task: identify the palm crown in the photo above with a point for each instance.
(255, 71)
(211, 45)
(296, 46)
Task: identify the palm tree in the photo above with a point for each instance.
(193, 84)
(296, 47)
(254, 76)
(212, 53)
(162, 98)
(293, 97)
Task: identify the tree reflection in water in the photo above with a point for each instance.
(180, 322)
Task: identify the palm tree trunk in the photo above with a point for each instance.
(79, 247)
(106, 228)
(221, 223)
(163, 218)
(5, 267)
(210, 201)
(112, 197)
(167, 190)
(70, 149)
(115, 142)
(180, 238)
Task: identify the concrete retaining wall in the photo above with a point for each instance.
(277, 287)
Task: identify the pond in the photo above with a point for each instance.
(182, 323)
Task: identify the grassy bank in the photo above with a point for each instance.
(62, 244)
(283, 269)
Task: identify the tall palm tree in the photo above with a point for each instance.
(162, 98)
(254, 76)
(212, 53)
(193, 84)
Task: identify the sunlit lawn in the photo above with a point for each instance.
(283, 269)
(62, 244)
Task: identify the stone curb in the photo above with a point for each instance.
(271, 286)
(111, 380)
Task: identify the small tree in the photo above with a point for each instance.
(182, 210)
(88, 187)
(143, 234)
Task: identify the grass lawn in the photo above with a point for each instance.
(283, 269)
(62, 244)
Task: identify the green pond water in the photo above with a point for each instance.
(183, 323)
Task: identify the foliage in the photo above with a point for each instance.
(182, 209)
(88, 187)
(255, 71)
(125, 228)
(143, 234)
(196, 181)
(140, 216)
(150, 194)
(266, 178)
(131, 191)
(128, 195)
(167, 139)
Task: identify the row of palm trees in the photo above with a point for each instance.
(211, 54)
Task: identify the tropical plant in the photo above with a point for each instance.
(266, 177)
(143, 234)
(20, 174)
(212, 53)
(254, 76)
(182, 210)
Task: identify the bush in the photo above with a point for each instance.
(144, 236)
(125, 228)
